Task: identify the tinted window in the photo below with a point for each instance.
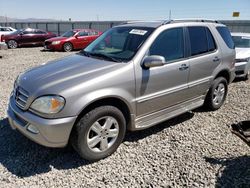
(225, 34)
(83, 33)
(69, 34)
(241, 41)
(211, 41)
(91, 33)
(40, 32)
(169, 44)
(5, 29)
(198, 40)
(28, 32)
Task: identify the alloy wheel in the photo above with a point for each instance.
(219, 94)
(102, 134)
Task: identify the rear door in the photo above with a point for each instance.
(204, 58)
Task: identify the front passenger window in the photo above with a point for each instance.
(169, 44)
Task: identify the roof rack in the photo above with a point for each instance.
(190, 20)
(140, 21)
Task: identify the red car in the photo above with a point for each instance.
(72, 40)
(26, 37)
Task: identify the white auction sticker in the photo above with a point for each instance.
(138, 32)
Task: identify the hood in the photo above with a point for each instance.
(57, 39)
(54, 77)
(242, 53)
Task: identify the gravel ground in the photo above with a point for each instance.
(193, 150)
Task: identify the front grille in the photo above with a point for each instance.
(21, 97)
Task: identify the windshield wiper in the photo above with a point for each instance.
(89, 54)
(104, 56)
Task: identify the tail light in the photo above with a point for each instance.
(2, 38)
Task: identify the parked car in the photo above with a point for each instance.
(72, 40)
(6, 30)
(242, 47)
(27, 37)
(132, 77)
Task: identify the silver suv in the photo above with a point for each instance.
(132, 77)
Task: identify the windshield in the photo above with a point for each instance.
(241, 41)
(69, 34)
(17, 31)
(120, 43)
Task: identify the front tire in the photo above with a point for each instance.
(67, 47)
(216, 94)
(99, 133)
(12, 44)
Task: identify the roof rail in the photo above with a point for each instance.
(190, 20)
(140, 21)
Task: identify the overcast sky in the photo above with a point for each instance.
(82, 10)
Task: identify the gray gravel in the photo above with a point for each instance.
(192, 150)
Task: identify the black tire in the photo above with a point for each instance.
(210, 101)
(247, 76)
(82, 129)
(67, 47)
(12, 44)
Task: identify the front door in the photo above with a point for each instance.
(160, 87)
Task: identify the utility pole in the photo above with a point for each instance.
(169, 15)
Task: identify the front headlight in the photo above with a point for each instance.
(48, 104)
(55, 42)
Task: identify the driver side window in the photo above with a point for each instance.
(169, 44)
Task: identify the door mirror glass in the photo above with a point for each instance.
(153, 61)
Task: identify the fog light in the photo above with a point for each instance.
(32, 129)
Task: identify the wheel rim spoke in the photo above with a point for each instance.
(96, 127)
(109, 122)
(104, 144)
(94, 141)
(112, 133)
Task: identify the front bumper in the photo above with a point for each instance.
(242, 68)
(51, 132)
(57, 47)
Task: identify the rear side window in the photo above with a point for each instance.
(169, 44)
(201, 40)
(225, 34)
(198, 40)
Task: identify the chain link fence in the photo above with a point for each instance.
(61, 27)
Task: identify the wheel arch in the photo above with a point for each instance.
(112, 101)
(223, 73)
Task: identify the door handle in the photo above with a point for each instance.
(183, 67)
(216, 59)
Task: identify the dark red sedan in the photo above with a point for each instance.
(72, 40)
(26, 37)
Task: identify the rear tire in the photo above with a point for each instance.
(247, 76)
(99, 133)
(216, 94)
(67, 47)
(12, 44)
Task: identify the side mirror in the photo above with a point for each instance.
(153, 61)
(76, 36)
